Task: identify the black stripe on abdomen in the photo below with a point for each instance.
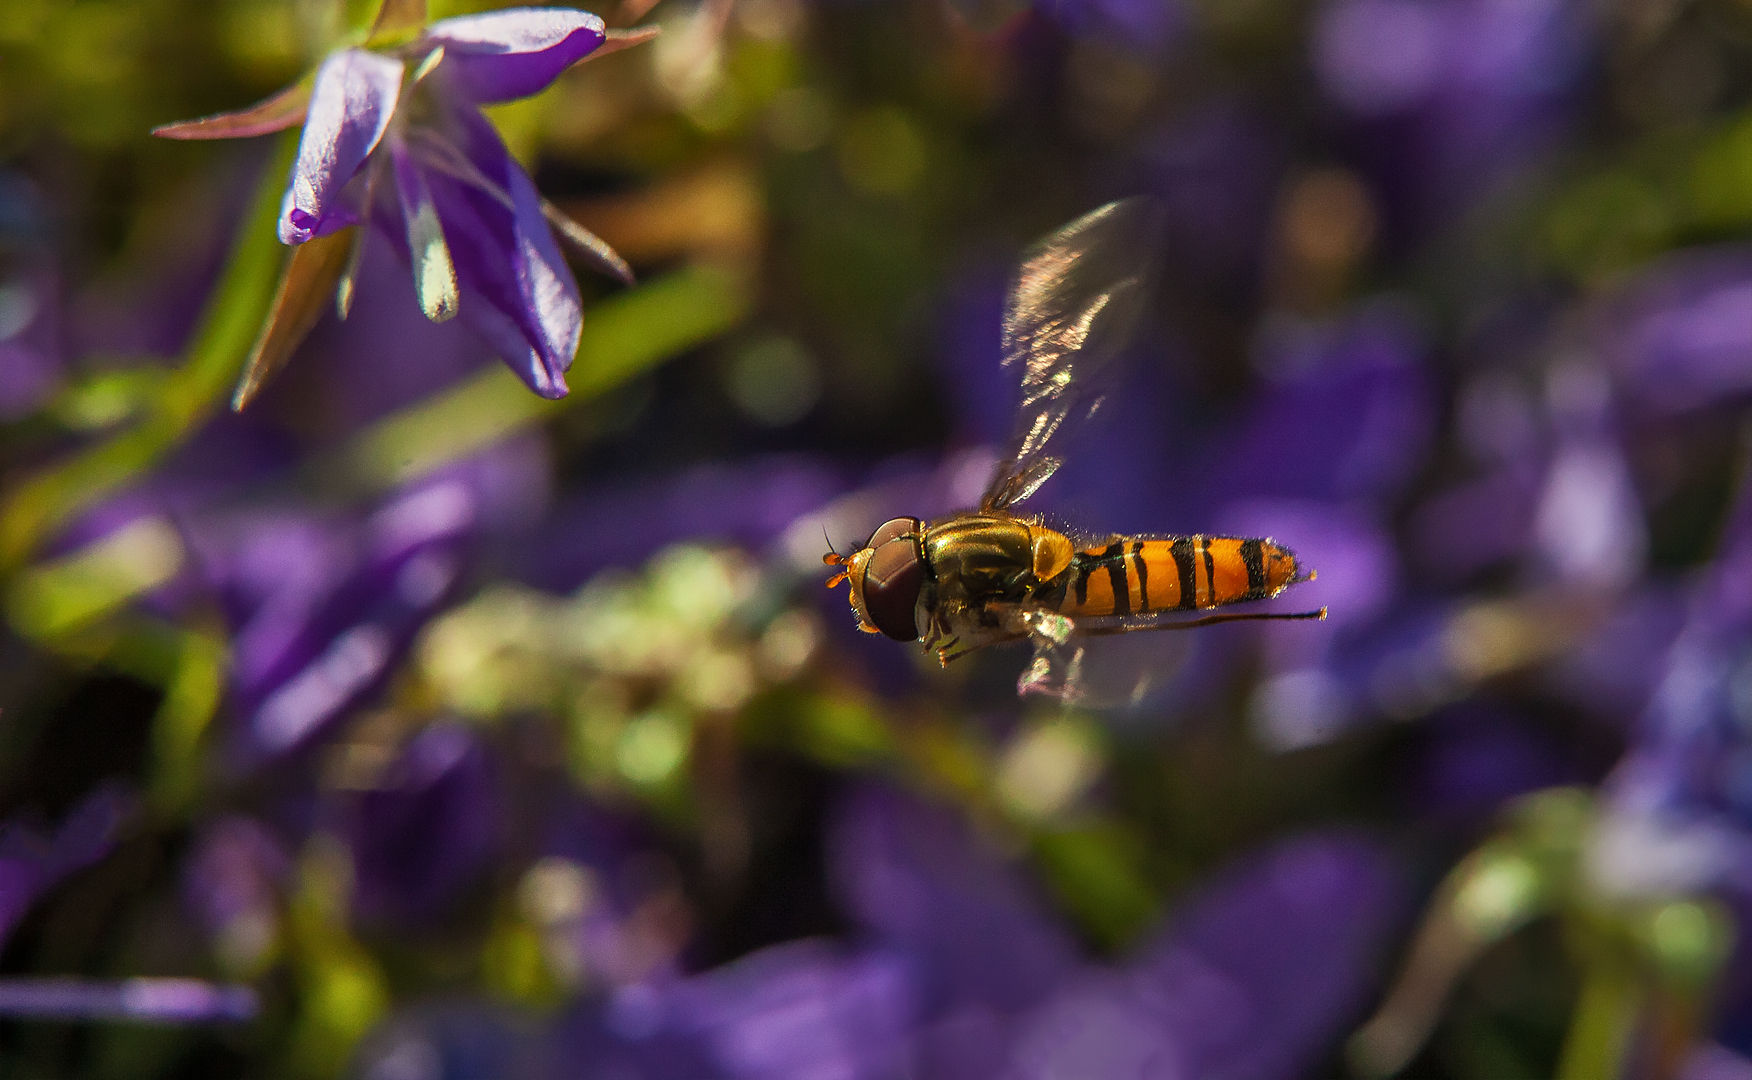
(1204, 547)
(1253, 558)
(1143, 566)
(1181, 549)
(1114, 557)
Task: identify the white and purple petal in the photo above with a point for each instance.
(504, 252)
(350, 107)
(434, 272)
(504, 55)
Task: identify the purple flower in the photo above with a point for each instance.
(393, 136)
(1350, 416)
(1261, 969)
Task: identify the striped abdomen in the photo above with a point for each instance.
(1136, 577)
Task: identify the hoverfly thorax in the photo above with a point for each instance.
(886, 575)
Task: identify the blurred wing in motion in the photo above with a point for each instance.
(1074, 306)
(1097, 667)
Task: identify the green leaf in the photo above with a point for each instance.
(1095, 870)
(190, 701)
(64, 596)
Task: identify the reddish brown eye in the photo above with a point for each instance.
(891, 587)
(892, 529)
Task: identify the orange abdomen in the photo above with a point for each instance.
(1181, 573)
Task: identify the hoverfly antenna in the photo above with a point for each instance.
(833, 558)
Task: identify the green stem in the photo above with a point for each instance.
(1604, 1020)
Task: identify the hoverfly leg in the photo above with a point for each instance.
(1210, 620)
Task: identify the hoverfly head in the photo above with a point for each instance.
(886, 575)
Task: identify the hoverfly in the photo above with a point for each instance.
(990, 575)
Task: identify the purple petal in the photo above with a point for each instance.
(1679, 333)
(1098, 1027)
(152, 1001)
(1258, 975)
(31, 864)
(324, 652)
(1713, 1061)
(427, 830)
(1381, 56)
(518, 292)
(354, 97)
(802, 1010)
(502, 55)
(232, 885)
(917, 878)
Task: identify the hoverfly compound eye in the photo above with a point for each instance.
(892, 580)
(893, 529)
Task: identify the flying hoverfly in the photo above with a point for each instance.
(990, 575)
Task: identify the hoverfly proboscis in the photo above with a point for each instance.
(990, 575)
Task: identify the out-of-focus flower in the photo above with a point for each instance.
(1214, 172)
(393, 136)
(802, 1010)
(427, 827)
(921, 884)
(325, 609)
(632, 662)
(607, 904)
(1140, 25)
(1459, 94)
(751, 504)
(452, 1040)
(31, 346)
(31, 862)
(1250, 979)
(232, 884)
(1678, 334)
(142, 1000)
(1678, 818)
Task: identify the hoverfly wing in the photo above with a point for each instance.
(1056, 669)
(1075, 303)
(1071, 666)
